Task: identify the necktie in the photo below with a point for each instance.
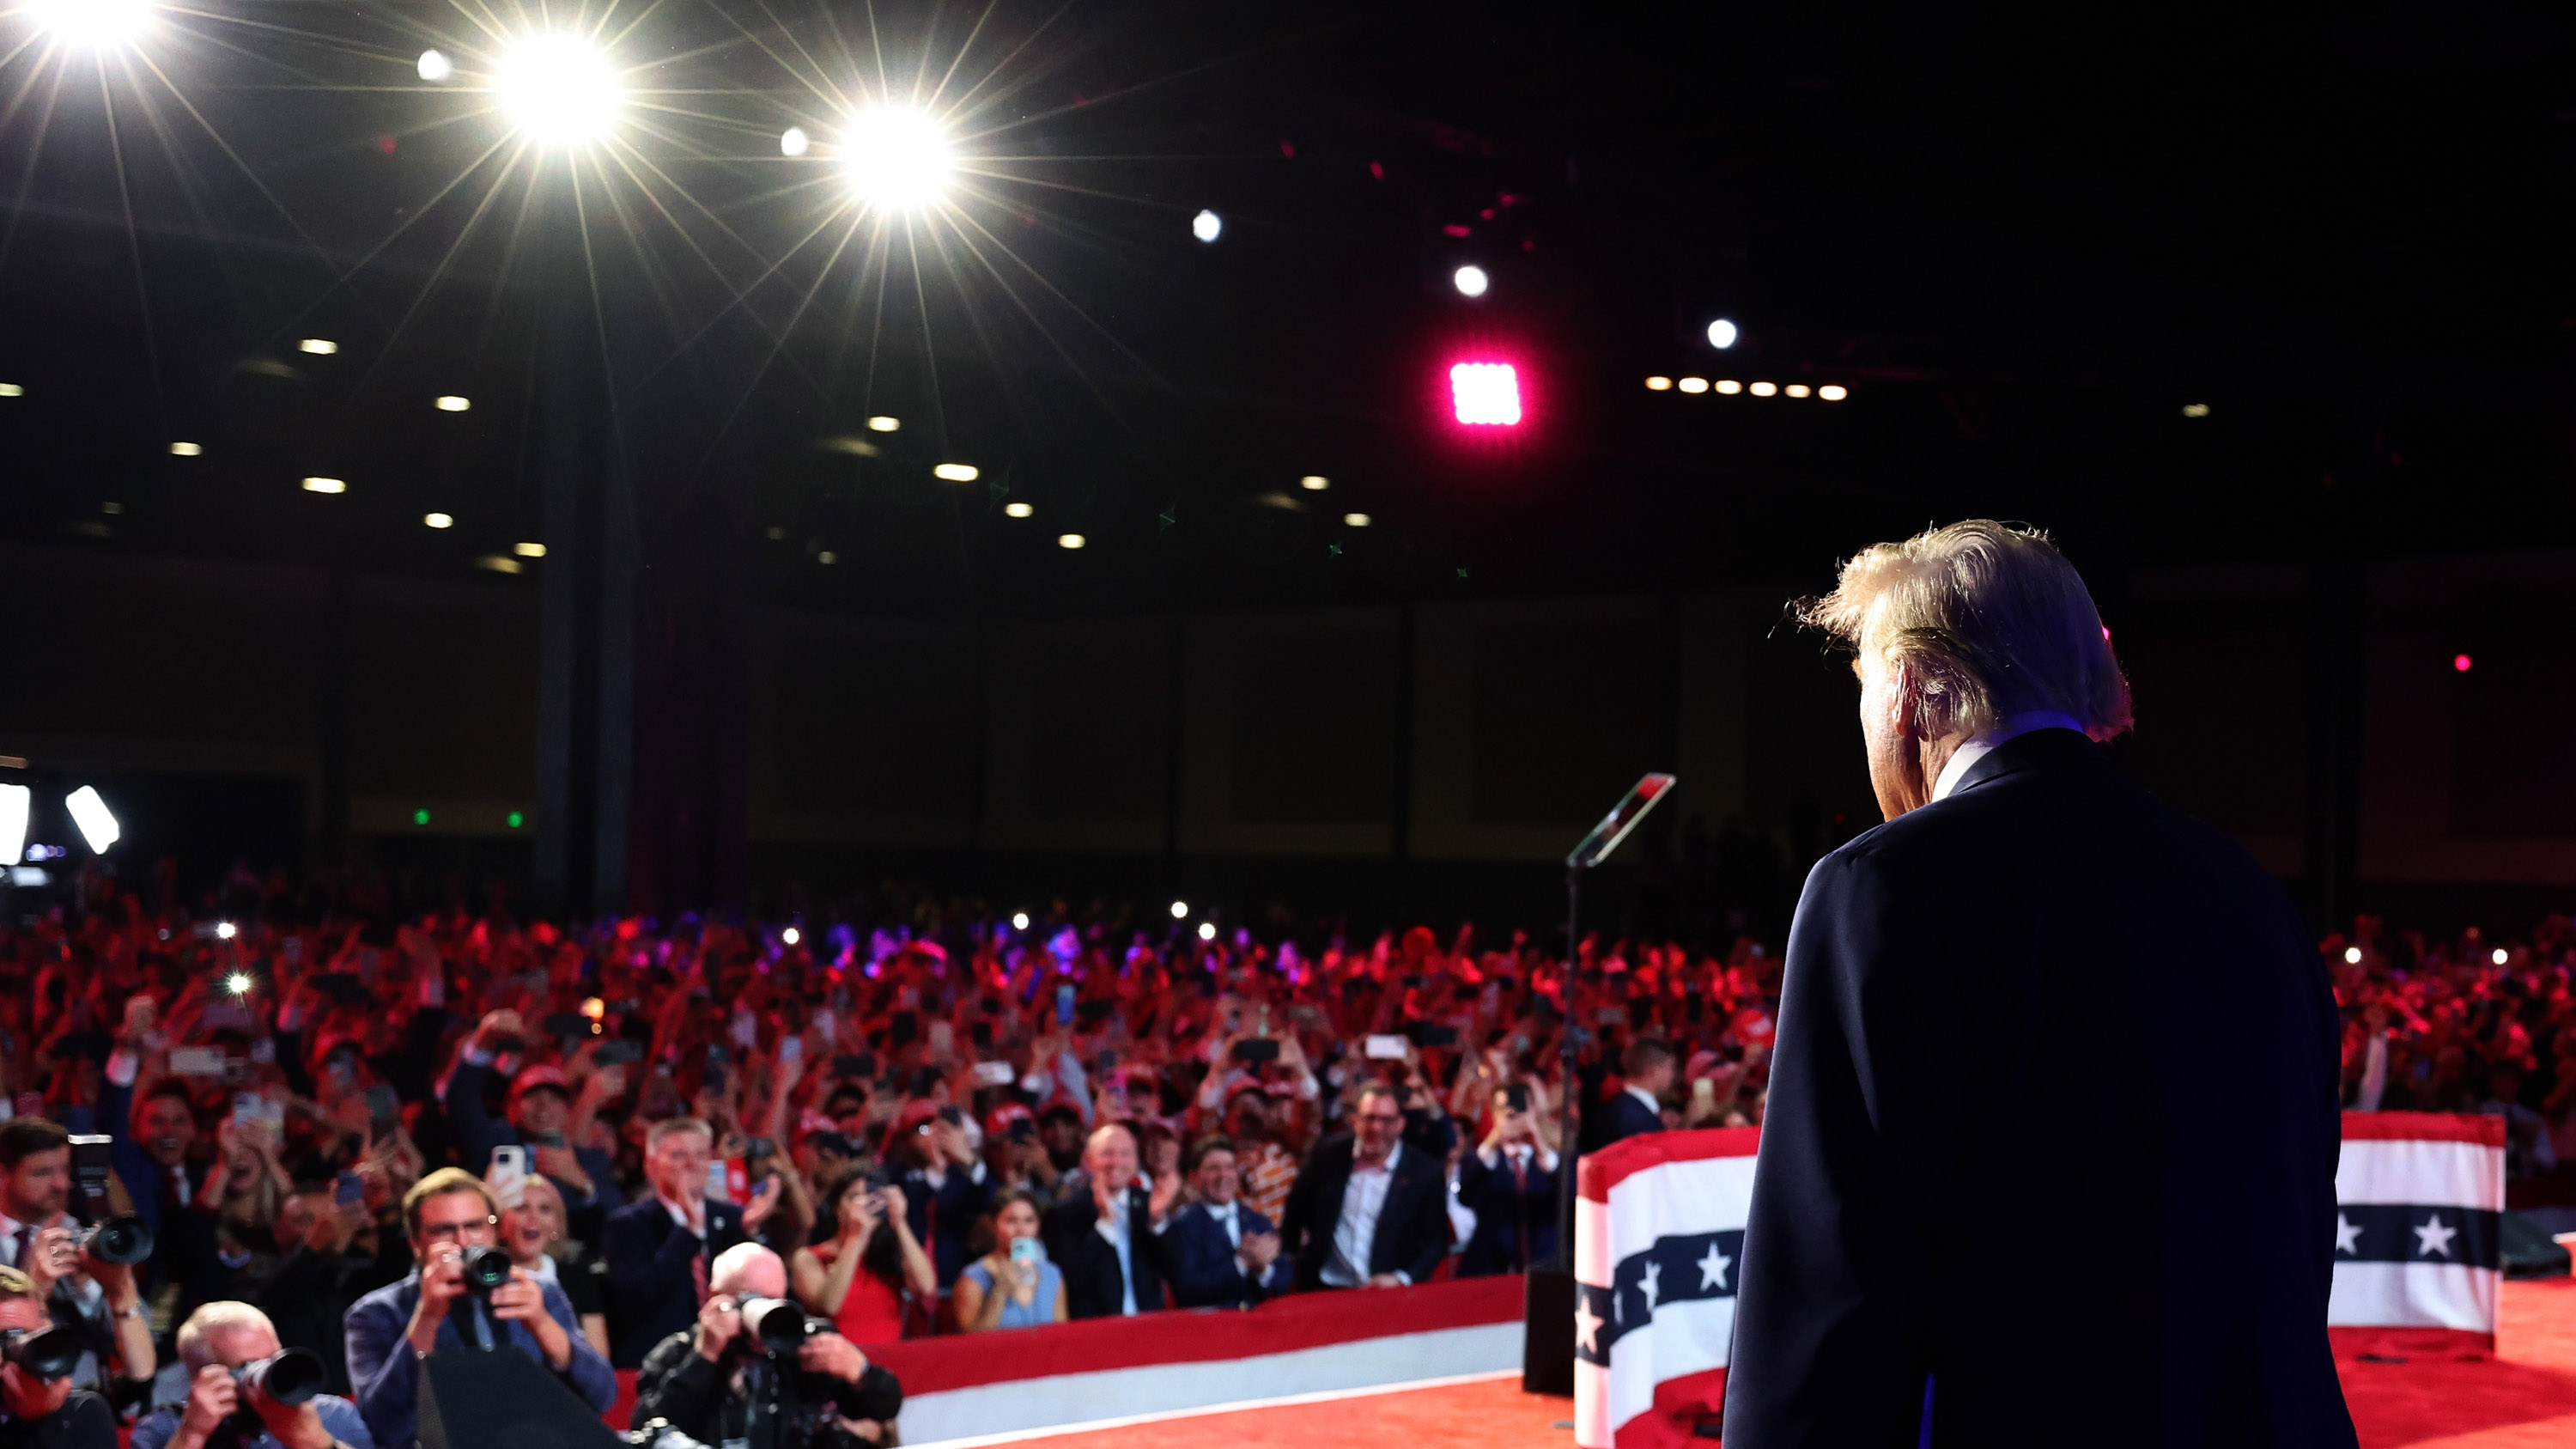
(1520, 1206)
(698, 1273)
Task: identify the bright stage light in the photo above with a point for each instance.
(1659, 384)
(1207, 226)
(1764, 389)
(225, 931)
(1207, 930)
(1180, 910)
(435, 66)
(318, 346)
(1019, 920)
(882, 424)
(1486, 394)
(794, 142)
(529, 550)
(185, 450)
(1721, 334)
(11, 389)
(90, 813)
(956, 473)
(2501, 956)
(1356, 520)
(1729, 386)
(325, 485)
(93, 24)
(1019, 510)
(1314, 482)
(791, 935)
(2352, 955)
(454, 404)
(1795, 389)
(896, 158)
(559, 90)
(2461, 663)
(239, 983)
(1694, 384)
(1470, 281)
(16, 803)
(1070, 540)
(1833, 392)
(439, 520)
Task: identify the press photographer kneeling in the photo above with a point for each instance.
(39, 1408)
(244, 1392)
(757, 1372)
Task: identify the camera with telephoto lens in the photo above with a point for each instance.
(109, 1239)
(778, 1326)
(44, 1353)
(485, 1270)
(290, 1376)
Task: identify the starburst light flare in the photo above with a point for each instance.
(93, 24)
(897, 158)
(559, 90)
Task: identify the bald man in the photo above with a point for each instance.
(1111, 1245)
(706, 1380)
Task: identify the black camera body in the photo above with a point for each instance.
(44, 1353)
(104, 1236)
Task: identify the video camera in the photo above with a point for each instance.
(109, 1239)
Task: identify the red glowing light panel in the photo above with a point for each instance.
(1486, 394)
(2460, 662)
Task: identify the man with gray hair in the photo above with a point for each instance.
(2019, 1182)
(218, 1341)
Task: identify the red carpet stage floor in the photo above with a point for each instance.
(2524, 1398)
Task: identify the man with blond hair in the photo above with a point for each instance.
(2050, 1146)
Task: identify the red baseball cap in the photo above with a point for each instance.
(540, 1079)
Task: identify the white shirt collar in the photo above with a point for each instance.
(1980, 746)
(1642, 1095)
(1388, 1167)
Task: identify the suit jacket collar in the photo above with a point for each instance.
(2037, 750)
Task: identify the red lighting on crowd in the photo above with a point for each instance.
(2460, 662)
(1486, 394)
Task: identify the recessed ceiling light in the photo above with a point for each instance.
(1833, 392)
(529, 550)
(1764, 389)
(497, 563)
(454, 404)
(1694, 384)
(185, 450)
(1659, 384)
(1729, 386)
(882, 424)
(318, 346)
(1019, 510)
(1314, 482)
(776, 534)
(956, 472)
(2195, 410)
(11, 389)
(1207, 226)
(438, 520)
(111, 509)
(827, 557)
(794, 142)
(1796, 389)
(1070, 540)
(1357, 520)
(325, 485)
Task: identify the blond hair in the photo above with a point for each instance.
(1989, 620)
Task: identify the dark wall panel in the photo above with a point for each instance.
(1563, 718)
(876, 723)
(1314, 727)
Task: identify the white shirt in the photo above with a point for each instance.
(1229, 1216)
(1355, 1233)
(13, 1248)
(1520, 1152)
(680, 1215)
(1980, 746)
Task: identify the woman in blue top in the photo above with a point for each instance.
(1032, 1289)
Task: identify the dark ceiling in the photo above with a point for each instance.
(2025, 238)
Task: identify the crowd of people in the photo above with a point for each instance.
(671, 1132)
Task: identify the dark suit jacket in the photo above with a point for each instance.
(1623, 1117)
(1092, 1285)
(652, 1294)
(387, 1371)
(1506, 1210)
(1207, 1275)
(1412, 1229)
(2052, 1121)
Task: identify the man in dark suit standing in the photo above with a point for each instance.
(660, 1250)
(1228, 1255)
(1509, 1183)
(2050, 1147)
(1648, 1070)
(1365, 1212)
(1113, 1243)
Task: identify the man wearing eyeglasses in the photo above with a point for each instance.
(1366, 1212)
(391, 1330)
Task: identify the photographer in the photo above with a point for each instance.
(448, 1215)
(37, 1412)
(97, 1301)
(708, 1381)
(216, 1343)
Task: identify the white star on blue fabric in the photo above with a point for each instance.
(2347, 1235)
(1587, 1325)
(1654, 1272)
(1712, 1269)
(2435, 1238)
